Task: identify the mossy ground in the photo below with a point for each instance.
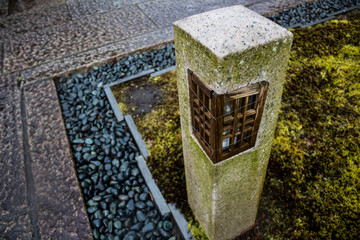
(312, 187)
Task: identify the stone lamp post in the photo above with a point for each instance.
(231, 64)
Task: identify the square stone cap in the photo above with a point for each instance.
(231, 30)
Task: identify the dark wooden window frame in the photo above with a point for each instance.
(226, 124)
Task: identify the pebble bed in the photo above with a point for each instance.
(117, 199)
(116, 195)
(308, 13)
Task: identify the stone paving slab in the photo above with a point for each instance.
(111, 52)
(33, 48)
(165, 12)
(14, 213)
(35, 19)
(26, 6)
(268, 8)
(80, 8)
(61, 211)
(15, 225)
(103, 33)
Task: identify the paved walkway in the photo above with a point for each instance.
(39, 193)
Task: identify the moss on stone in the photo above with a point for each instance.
(235, 184)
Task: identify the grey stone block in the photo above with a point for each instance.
(14, 215)
(114, 105)
(181, 222)
(155, 192)
(228, 42)
(61, 210)
(138, 139)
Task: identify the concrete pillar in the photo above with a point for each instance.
(228, 49)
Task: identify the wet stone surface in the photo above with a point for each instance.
(117, 199)
(33, 48)
(35, 20)
(14, 213)
(60, 209)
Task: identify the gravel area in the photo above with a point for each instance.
(312, 12)
(117, 199)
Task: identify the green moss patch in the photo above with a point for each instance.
(312, 187)
(313, 179)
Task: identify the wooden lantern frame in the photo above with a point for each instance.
(226, 124)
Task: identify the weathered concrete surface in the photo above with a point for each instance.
(227, 49)
(14, 212)
(211, 29)
(39, 193)
(165, 12)
(267, 8)
(79, 8)
(33, 48)
(61, 211)
(85, 60)
(35, 19)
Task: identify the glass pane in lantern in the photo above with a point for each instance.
(226, 143)
(229, 107)
(226, 132)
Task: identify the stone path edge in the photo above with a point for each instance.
(112, 101)
(136, 135)
(163, 207)
(156, 194)
(181, 222)
(42, 110)
(159, 199)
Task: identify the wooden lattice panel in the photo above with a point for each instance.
(200, 99)
(227, 124)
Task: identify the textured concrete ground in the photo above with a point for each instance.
(39, 193)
